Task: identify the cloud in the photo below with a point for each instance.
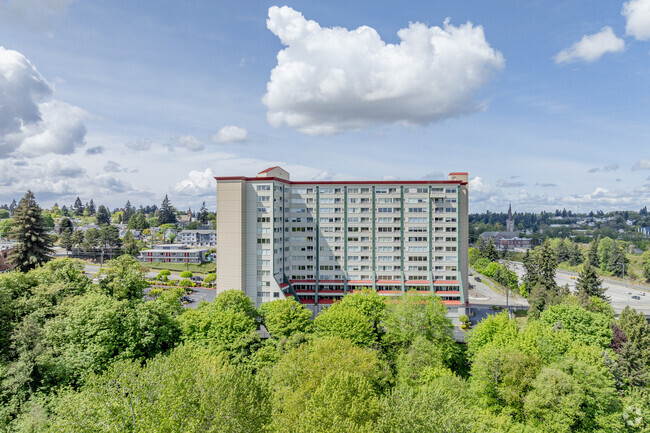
(58, 168)
(606, 169)
(480, 191)
(139, 146)
(433, 175)
(33, 14)
(31, 123)
(198, 183)
(546, 185)
(602, 196)
(95, 150)
(188, 142)
(637, 15)
(506, 184)
(643, 164)
(329, 80)
(111, 183)
(115, 167)
(592, 47)
(230, 134)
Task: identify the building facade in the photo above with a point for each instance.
(198, 238)
(5, 249)
(510, 238)
(319, 240)
(172, 253)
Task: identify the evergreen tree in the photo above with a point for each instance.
(103, 217)
(547, 265)
(64, 211)
(589, 284)
(562, 251)
(66, 240)
(575, 255)
(128, 212)
(491, 252)
(531, 275)
(65, 224)
(12, 207)
(28, 229)
(618, 261)
(91, 207)
(130, 245)
(77, 238)
(203, 216)
(166, 212)
(592, 255)
(78, 207)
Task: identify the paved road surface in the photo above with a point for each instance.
(616, 290)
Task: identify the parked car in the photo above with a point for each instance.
(196, 278)
(186, 299)
(640, 293)
(638, 298)
(470, 273)
(477, 279)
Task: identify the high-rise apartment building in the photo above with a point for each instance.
(318, 240)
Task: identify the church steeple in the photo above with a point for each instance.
(510, 223)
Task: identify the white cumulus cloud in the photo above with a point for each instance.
(57, 168)
(230, 134)
(592, 47)
(329, 80)
(188, 142)
(198, 183)
(637, 15)
(31, 123)
(643, 164)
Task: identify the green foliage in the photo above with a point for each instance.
(103, 216)
(498, 272)
(584, 326)
(123, 278)
(210, 278)
(496, 330)
(589, 284)
(490, 252)
(203, 268)
(166, 395)
(186, 274)
(29, 230)
(284, 317)
(313, 383)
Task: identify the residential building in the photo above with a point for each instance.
(198, 238)
(172, 253)
(319, 240)
(5, 249)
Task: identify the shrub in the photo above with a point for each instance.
(186, 283)
(155, 292)
(186, 274)
(210, 278)
(463, 318)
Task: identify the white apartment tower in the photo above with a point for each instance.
(319, 240)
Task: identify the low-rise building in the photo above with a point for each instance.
(5, 249)
(198, 238)
(172, 253)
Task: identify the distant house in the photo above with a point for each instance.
(172, 253)
(198, 238)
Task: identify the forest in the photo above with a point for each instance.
(78, 356)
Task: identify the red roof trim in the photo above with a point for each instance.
(390, 282)
(301, 281)
(359, 281)
(330, 281)
(458, 173)
(351, 182)
(416, 282)
(445, 282)
(269, 169)
(447, 292)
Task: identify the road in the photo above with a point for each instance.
(482, 294)
(615, 290)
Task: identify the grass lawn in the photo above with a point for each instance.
(203, 268)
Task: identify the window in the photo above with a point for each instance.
(417, 229)
(326, 200)
(264, 209)
(263, 198)
(381, 190)
(417, 209)
(417, 219)
(385, 210)
(327, 210)
(384, 229)
(416, 200)
(353, 219)
(263, 219)
(385, 249)
(327, 190)
(298, 200)
(384, 200)
(417, 239)
(264, 187)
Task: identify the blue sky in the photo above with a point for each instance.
(545, 105)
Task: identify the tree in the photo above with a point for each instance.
(66, 240)
(585, 326)
(65, 224)
(546, 266)
(77, 238)
(589, 284)
(78, 207)
(491, 252)
(12, 207)
(167, 215)
(130, 245)
(284, 317)
(592, 254)
(34, 245)
(123, 278)
(91, 207)
(203, 215)
(128, 212)
(138, 222)
(645, 258)
(575, 255)
(618, 261)
(635, 356)
(103, 217)
(64, 211)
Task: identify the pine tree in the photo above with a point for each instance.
(103, 217)
(589, 284)
(592, 255)
(167, 214)
(128, 212)
(575, 255)
(28, 229)
(64, 211)
(203, 216)
(129, 244)
(65, 224)
(547, 265)
(66, 240)
(618, 261)
(78, 207)
(12, 207)
(91, 207)
(491, 252)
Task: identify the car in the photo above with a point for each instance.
(628, 292)
(196, 278)
(470, 273)
(477, 279)
(640, 293)
(186, 299)
(638, 298)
